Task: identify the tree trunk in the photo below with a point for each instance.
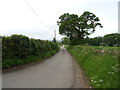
(80, 36)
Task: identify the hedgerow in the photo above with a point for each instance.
(18, 49)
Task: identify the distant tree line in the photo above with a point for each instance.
(21, 47)
(107, 40)
(65, 41)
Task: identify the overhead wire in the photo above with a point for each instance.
(36, 14)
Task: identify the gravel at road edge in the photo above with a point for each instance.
(80, 80)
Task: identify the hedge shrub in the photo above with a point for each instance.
(16, 49)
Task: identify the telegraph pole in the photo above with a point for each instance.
(54, 39)
(55, 33)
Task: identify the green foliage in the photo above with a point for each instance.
(97, 41)
(108, 40)
(67, 24)
(78, 27)
(76, 41)
(20, 46)
(17, 49)
(65, 41)
(99, 63)
(112, 39)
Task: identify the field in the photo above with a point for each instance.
(99, 63)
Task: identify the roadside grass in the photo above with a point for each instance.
(99, 63)
(14, 62)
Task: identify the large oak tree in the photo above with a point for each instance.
(72, 25)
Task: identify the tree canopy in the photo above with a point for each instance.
(74, 26)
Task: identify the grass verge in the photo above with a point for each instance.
(99, 63)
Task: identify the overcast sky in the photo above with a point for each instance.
(38, 18)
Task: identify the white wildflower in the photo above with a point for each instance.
(98, 84)
(92, 80)
(100, 80)
(95, 81)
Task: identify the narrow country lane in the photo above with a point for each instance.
(56, 72)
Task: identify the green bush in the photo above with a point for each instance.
(17, 49)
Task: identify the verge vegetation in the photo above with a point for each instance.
(99, 63)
